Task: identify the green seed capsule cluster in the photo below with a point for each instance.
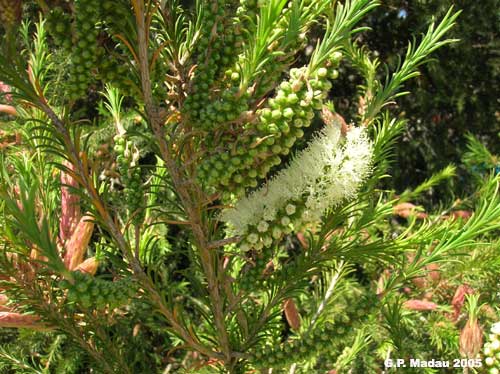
(331, 338)
(253, 275)
(299, 350)
(84, 57)
(59, 27)
(247, 9)
(491, 350)
(93, 293)
(215, 96)
(110, 71)
(271, 135)
(127, 157)
(115, 14)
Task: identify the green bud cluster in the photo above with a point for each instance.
(491, 350)
(127, 162)
(110, 71)
(84, 57)
(59, 27)
(215, 95)
(271, 229)
(206, 111)
(233, 40)
(92, 293)
(247, 9)
(271, 135)
(115, 14)
(331, 338)
(310, 345)
(253, 275)
(243, 21)
(78, 35)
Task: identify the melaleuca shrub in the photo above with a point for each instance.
(227, 200)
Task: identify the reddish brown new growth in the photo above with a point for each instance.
(8, 109)
(471, 339)
(332, 118)
(459, 299)
(88, 266)
(36, 255)
(405, 210)
(77, 244)
(5, 88)
(292, 314)
(3, 303)
(70, 205)
(462, 214)
(3, 299)
(381, 282)
(17, 320)
(75, 234)
(302, 240)
(434, 273)
(75, 231)
(420, 305)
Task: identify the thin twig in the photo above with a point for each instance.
(223, 242)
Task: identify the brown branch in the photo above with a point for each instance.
(189, 193)
(223, 242)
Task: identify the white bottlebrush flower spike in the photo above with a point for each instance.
(328, 172)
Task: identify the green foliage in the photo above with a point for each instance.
(454, 95)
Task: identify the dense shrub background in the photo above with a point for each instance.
(455, 94)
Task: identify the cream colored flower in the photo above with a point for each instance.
(328, 172)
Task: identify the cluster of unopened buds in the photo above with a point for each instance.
(75, 231)
(491, 350)
(326, 339)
